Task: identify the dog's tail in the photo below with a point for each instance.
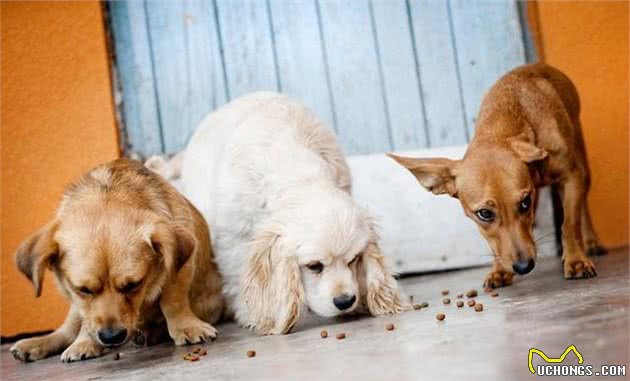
(169, 169)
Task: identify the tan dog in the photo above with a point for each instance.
(527, 135)
(128, 251)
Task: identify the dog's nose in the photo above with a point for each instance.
(112, 336)
(343, 302)
(523, 266)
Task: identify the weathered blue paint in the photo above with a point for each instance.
(385, 74)
(135, 72)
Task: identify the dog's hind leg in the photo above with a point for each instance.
(37, 348)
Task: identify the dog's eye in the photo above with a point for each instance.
(316, 267)
(485, 215)
(131, 286)
(86, 291)
(525, 204)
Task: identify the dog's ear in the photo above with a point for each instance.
(173, 241)
(36, 253)
(527, 151)
(273, 288)
(377, 286)
(435, 174)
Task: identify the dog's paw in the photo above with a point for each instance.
(498, 278)
(192, 331)
(579, 268)
(82, 350)
(29, 350)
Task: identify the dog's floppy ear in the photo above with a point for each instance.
(173, 241)
(272, 288)
(377, 286)
(527, 151)
(435, 174)
(37, 253)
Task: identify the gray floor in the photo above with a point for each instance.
(540, 310)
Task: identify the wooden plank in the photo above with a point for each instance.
(207, 88)
(133, 63)
(247, 46)
(438, 72)
(300, 54)
(354, 76)
(489, 43)
(187, 66)
(400, 80)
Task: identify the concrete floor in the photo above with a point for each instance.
(540, 310)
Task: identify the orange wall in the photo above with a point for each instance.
(589, 42)
(57, 121)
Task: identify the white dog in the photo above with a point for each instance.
(275, 189)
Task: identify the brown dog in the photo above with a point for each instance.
(128, 251)
(527, 135)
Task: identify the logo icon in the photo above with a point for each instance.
(551, 360)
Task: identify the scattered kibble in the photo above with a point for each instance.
(460, 304)
(341, 336)
(202, 352)
(417, 306)
(251, 353)
(472, 293)
(191, 357)
(323, 334)
(459, 296)
(446, 301)
(478, 307)
(444, 292)
(424, 305)
(440, 317)
(389, 326)
(471, 302)
(494, 294)
(117, 356)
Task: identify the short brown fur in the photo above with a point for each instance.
(130, 253)
(527, 135)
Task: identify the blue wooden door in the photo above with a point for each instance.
(384, 74)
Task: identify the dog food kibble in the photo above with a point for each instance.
(323, 334)
(202, 352)
(471, 293)
(117, 356)
(389, 326)
(446, 301)
(424, 305)
(460, 304)
(478, 307)
(444, 292)
(459, 296)
(341, 336)
(194, 358)
(471, 302)
(251, 353)
(440, 317)
(417, 306)
(494, 294)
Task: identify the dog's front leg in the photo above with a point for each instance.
(576, 263)
(184, 326)
(499, 276)
(37, 348)
(84, 347)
